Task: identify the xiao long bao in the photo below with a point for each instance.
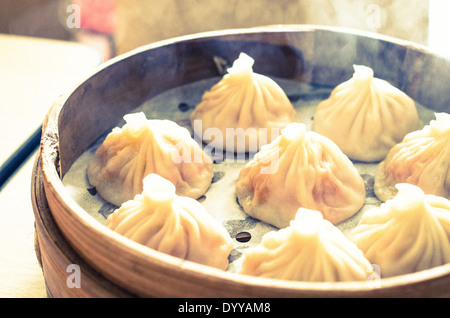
(366, 116)
(142, 146)
(422, 159)
(407, 234)
(175, 225)
(309, 249)
(300, 169)
(244, 106)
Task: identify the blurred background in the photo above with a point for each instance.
(117, 26)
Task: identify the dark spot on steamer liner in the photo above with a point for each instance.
(368, 184)
(309, 96)
(234, 255)
(295, 98)
(184, 107)
(235, 227)
(217, 176)
(106, 209)
(202, 198)
(243, 237)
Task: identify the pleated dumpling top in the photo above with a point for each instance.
(406, 234)
(176, 225)
(366, 116)
(300, 169)
(243, 111)
(311, 249)
(143, 146)
(422, 158)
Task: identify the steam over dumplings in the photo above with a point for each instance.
(245, 109)
(141, 147)
(366, 116)
(300, 169)
(406, 234)
(172, 224)
(422, 159)
(310, 249)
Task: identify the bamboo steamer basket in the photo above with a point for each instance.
(56, 256)
(112, 265)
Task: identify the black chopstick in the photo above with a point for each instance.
(15, 161)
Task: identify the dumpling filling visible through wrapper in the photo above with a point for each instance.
(300, 169)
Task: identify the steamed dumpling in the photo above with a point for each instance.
(300, 169)
(310, 249)
(422, 159)
(366, 116)
(172, 224)
(141, 147)
(243, 111)
(406, 234)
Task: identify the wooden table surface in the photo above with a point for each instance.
(33, 73)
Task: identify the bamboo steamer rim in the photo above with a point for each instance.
(57, 196)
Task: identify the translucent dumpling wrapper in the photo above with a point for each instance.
(142, 146)
(300, 169)
(422, 159)
(366, 116)
(243, 111)
(406, 234)
(175, 225)
(310, 249)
